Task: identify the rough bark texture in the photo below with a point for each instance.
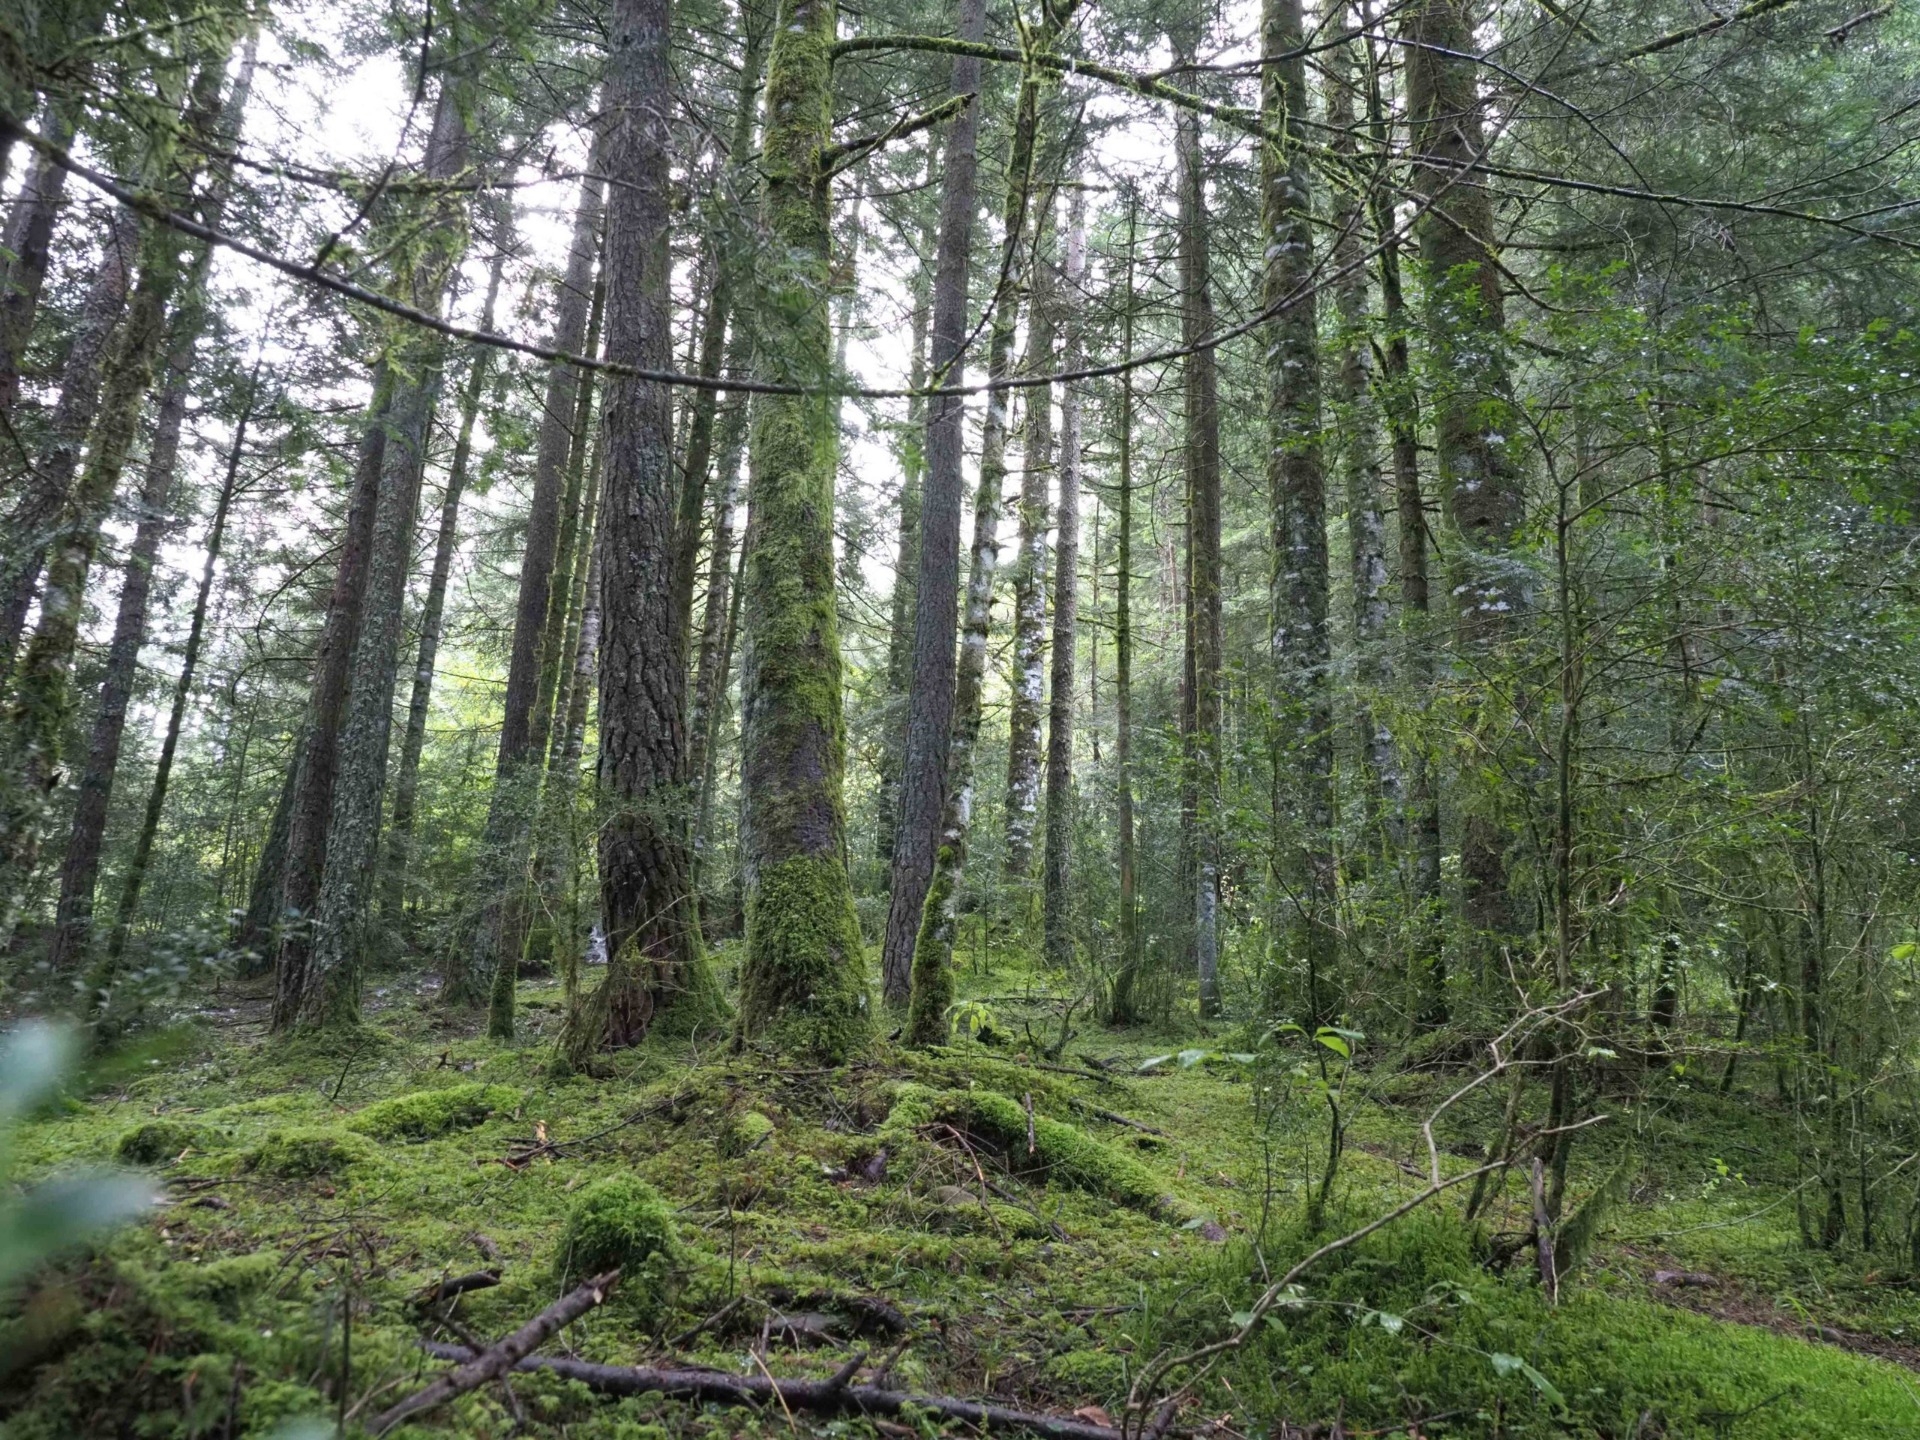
(657, 963)
(1123, 1006)
(29, 240)
(931, 992)
(397, 857)
(1473, 417)
(803, 986)
(1028, 573)
(499, 928)
(1057, 894)
(936, 582)
(1202, 453)
(31, 520)
(329, 992)
(1303, 742)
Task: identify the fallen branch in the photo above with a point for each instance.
(1113, 1118)
(477, 1369)
(828, 1397)
(457, 1285)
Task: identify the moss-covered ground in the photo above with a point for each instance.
(896, 1205)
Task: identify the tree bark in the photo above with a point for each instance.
(931, 992)
(936, 582)
(397, 856)
(656, 961)
(29, 241)
(1029, 576)
(802, 985)
(329, 990)
(1124, 1002)
(499, 926)
(1205, 642)
(1057, 895)
(1479, 474)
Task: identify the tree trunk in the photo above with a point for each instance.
(802, 985)
(656, 962)
(30, 522)
(1058, 869)
(329, 990)
(136, 875)
(936, 582)
(397, 857)
(1029, 576)
(29, 241)
(1303, 752)
(1473, 412)
(499, 928)
(1202, 453)
(931, 992)
(1124, 1004)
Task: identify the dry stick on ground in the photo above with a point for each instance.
(477, 1369)
(831, 1396)
(1115, 1119)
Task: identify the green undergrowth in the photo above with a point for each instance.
(895, 1202)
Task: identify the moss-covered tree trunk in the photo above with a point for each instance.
(1474, 424)
(329, 989)
(1296, 483)
(29, 246)
(519, 762)
(1057, 868)
(656, 962)
(932, 970)
(804, 985)
(928, 735)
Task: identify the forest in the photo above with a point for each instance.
(1070, 719)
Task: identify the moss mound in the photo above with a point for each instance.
(1062, 1154)
(304, 1154)
(746, 1132)
(429, 1114)
(623, 1222)
(159, 1142)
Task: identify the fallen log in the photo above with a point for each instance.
(831, 1396)
(477, 1368)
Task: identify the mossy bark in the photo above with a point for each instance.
(29, 244)
(1056, 896)
(804, 984)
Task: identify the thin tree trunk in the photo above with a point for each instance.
(1124, 1004)
(130, 885)
(656, 961)
(29, 241)
(1058, 869)
(253, 937)
(397, 856)
(1473, 414)
(1205, 642)
(931, 994)
(30, 523)
(499, 926)
(1029, 576)
(936, 572)
(329, 990)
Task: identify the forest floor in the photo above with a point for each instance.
(878, 1208)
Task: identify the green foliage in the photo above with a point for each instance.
(429, 1114)
(623, 1222)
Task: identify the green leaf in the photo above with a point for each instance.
(1191, 1058)
(1504, 1365)
(1334, 1042)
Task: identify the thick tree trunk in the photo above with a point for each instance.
(803, 985)
(29, 240)
(1028, 573)
(1303, 750)
(130, 885)
(1479, 473)
(499, 926)
(1124, 1002)
(1205, 642)
(931, 993)
(397, 855)
(1057, 894)
(656, 962)
(936, 574)
(329, 990)
(30, 522)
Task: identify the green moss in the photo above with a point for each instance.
(303, 1154)
(1061, 1153)
(746, 1132)
(228, 1279)
(931, 996)
(158, 1142)
(429, 1114)
(1095, 1374)
(623, 1222)
(804, 988)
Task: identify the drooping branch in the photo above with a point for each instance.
(851, 152)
